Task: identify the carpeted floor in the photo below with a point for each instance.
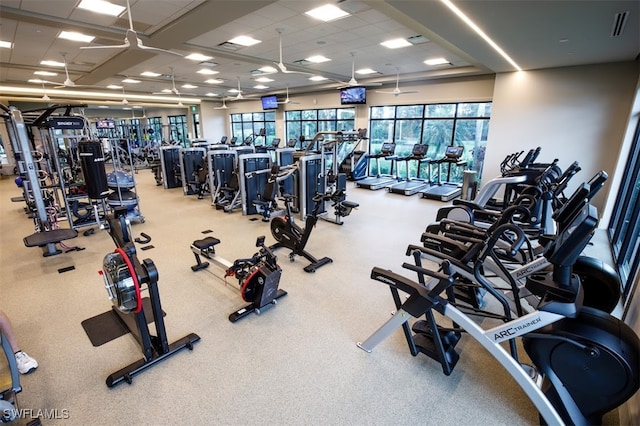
(297, 363)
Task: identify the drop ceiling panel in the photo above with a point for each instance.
(58, 8)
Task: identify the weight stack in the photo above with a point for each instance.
(92, 164)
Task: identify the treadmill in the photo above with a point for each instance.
(446, 191)
(412, 186)
(380, 181)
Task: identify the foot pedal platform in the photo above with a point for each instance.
(441, 349)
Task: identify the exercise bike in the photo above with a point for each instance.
(289, 235)
(124, 276)
(258, 276)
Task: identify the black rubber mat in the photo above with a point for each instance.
(108, 326)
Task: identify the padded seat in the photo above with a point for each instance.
(206, 243)
(43, 238)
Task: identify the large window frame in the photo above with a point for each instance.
(308, 122)
(624, 226)
(437, 125)
(178, 129)
(249, 125)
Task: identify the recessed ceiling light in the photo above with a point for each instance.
(75, 36)
(207, 71)
(189, 86)
(198, 57)
(6, 44)
(268, 69)
(114, 86)
(45, 73)
(166, 91)
(316, 59)
(130, 80)
(103, 106)
(264, 79)
(436, 61)
(396, 43)
(150, 74)
(365, 71)
(52, 63)
(35, 80)
(260, 86)
(327, 13)
(214, 81)
(101, 6)
(233, 90)
(244, 41)
(317, 78)
(211, 94)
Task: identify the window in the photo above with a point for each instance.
(311, 121)
(624, 229)
(437, 125)
(250, 124)
(155, 129)
(178, 130)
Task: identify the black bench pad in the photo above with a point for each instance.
(47, 237)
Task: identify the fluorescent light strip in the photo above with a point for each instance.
(198, 57)
(99, 95)
(481, 33)
(52, 63)
(327, 13)
(101, 6)
(6, 44)
(244, 41)
(396, 43)
(75, 36)
(150, 74)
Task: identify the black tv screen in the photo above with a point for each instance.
(353, 95)
(269, 102)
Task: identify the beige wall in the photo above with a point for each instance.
(573, 113)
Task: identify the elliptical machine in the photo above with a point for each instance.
(289, 235)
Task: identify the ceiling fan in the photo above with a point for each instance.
(353, 81)
(397, 91)
(224, 105)
(67, 82)
(287, 100)
(281, 66)
(132, 41)
(173, 89)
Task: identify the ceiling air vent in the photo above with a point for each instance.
(619, 20)
(417, 39)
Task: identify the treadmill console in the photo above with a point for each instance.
(420, 150)
(388, 148)
(454, 152)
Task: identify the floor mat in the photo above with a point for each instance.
(108, 326)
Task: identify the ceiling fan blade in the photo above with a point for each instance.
(116, 46)
(157, 49)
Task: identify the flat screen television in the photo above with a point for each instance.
(353, 95)
(269, 102)
(105, 124)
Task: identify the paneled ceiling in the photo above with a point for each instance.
(535, 34)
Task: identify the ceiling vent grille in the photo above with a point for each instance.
(619, 20)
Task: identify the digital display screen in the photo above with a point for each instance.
(106, 124)
(353, 95)
(269, 102)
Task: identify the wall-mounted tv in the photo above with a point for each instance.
(269, 102)
(353, 95)
(105, 124)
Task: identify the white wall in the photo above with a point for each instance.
(573, 113)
